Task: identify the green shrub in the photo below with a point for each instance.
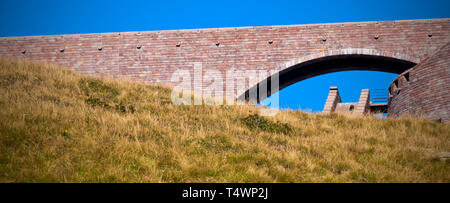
(256, 122)
(97, 87)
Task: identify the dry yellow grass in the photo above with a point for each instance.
(59, 126)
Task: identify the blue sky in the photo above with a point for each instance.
(28, 17)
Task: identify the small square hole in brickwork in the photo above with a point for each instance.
(62, 50)
(406, 76)
(218, 44)
(24, 51)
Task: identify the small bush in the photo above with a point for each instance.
(125, 108)
(6, 80)
(93, 101)
(255, 122)
(103, 95)
(97, 87)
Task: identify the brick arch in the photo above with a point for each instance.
(331, 61)
(349, 51)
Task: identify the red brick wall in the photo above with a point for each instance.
(427, 93)
(244, 48)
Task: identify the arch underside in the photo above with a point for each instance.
(328, 64)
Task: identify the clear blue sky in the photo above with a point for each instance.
(44, 17)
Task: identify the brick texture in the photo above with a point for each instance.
(332, 100)
(423, 90)
(363, 105)
(333, 103)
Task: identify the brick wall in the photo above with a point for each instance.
(423, 90)
(334, 104)
(332, 100)
(363, 105)
(160, 53)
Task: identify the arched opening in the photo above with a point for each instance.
(329, 64)
(311, 95)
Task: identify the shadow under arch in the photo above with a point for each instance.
(324, 65)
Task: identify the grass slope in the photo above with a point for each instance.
(59, 126)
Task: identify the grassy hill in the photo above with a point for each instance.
(60, 126)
